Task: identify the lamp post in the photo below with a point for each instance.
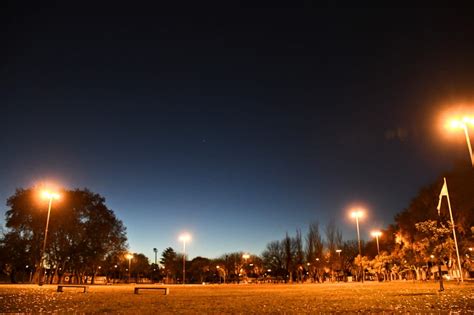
(358, 214)
(184, 238)
(245, 257)
(377, 234)
(129, 257)
(155, 250)
(47, 195)
(338, 251)
(454, 124)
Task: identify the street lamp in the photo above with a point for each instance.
(46, 195)
(338, 251)
(129, 257)
(183, 238)
(377, 234)
(245, 257)
(155, 250)
(359, 214)
(455, 124)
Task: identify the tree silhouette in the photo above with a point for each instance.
(82, 231)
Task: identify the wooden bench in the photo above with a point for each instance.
(61, 286)
(166, 290)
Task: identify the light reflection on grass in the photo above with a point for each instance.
(262, 298)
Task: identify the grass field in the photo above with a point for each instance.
(261, 298)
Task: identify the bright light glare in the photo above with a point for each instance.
(245, 256)
(129, 256)
(357, 213)
(460, 123)
(468, 120)
(50, 195)
(376, 233)
(184, 237)
(455, 124)
(338, 250)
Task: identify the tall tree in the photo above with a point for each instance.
(169, 259)
(82, 230)
(314, 249)
(333, 243)
(299, 255)
(274, 258)
(289, 250)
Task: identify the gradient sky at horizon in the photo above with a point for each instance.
(236, 124)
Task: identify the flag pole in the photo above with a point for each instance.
(454, 230)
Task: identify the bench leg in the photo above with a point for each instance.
(136, 291)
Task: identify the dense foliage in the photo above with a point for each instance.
(83, 234)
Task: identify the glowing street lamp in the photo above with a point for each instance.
(359, 214)
(456, 124)
(184, 238)
(129, 256)
(377, 234)
(46, 195)
(245, 257)
(338, 251)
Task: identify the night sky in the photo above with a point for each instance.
(232, 122)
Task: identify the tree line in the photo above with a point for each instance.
(86, 240)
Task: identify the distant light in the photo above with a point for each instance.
(460, 123)
(338, 250)
(359, 213)
(376, 233)
(129, 256)
(184, 237)
(50, 195)
(245, 256)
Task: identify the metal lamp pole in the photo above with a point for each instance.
(376, 234)
(356, 215)
(466, 132)
(50, 196)
(184, 238)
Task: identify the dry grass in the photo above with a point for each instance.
(264, 298)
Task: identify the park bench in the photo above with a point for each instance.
(61, 286)
(166, 290)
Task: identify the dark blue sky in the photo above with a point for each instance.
(234, 123)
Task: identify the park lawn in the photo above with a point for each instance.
(261, 298)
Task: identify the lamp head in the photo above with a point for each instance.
(376, 233)
(50, 195)
(184, 237)
(359, 213)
